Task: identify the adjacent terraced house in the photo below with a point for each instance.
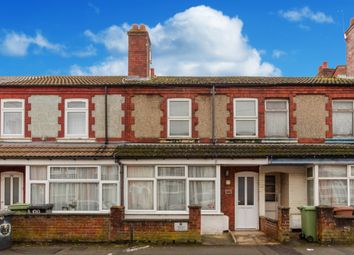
(155, 146)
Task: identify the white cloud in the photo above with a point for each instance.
(278, 53)
(298, 15)
(88, 51)
(94, 8)
(17, 44)
(197, 41)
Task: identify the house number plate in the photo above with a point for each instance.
(181, 226)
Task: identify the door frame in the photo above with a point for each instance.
(256, 196)
(2, 192)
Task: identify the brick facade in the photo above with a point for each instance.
(103, 227)
(277, 229)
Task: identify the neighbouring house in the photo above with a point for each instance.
(239, 147)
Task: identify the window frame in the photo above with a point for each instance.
(155, 179)
(287, 116)
(76, 110)
(13, 110)
(345, 111)
(98, 181)
(253, 118)
(184, 118)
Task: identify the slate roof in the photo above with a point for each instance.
(55, 151)
(170, 80)
(230, 151)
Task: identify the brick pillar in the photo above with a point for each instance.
(116, 218)
(325, 223)
(195, 217)
(283, 224)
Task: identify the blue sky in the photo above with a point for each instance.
(272, 38)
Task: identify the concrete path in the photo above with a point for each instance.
(252, 238)
(66, 249)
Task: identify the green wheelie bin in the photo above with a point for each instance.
(308, 223)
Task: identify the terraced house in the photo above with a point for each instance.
(153, 146)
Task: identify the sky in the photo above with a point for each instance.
(189, 38)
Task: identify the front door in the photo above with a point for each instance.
(11, 189)
(246, 211)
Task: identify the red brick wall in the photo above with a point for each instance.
(228, 191)
(269, 227)
(277, 229)
(102, 227)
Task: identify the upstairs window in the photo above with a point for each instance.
(245, 117)
(276, 118)
(76, 118)
(343, 111)
(179, 117)
(12, 118)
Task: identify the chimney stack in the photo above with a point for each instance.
(139, 52)
(349, 38)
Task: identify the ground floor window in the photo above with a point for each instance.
(75, 188)
(331, 185)
(170, 188)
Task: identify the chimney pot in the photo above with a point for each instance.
(142, 27)
(135, 27)
(352, 22)
(325, 64)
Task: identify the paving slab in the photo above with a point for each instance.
(252, 238)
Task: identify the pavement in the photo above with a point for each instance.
(145, 249)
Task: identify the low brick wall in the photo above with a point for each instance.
(334, 229)
(277, 229)
(103, 228)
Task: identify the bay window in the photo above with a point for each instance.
(75, 188)
(170, 188)
(276, 118)
(179, 116)
(332, 185)
(76, 118)
(12, 118)
(245, 117)
(343, 113)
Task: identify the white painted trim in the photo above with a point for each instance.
(185, 118)
(76, 110)
(21, 188)
(13, 110)
(244, 118)
(64, 162)
(230, 162)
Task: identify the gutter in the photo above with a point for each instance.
(213, 115)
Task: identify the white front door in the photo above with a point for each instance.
(246, 211)
(11, 189)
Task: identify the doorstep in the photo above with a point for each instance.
(218, 239)
(252, 238)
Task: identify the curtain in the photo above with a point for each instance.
(244, 108)
(179, 109)
(202, 193)
(12, 123)
(342, 123)
(179, 127)
(351, 192)
(38, 173)
(140, 195)
(109, 173)
(245, 127)
(201, 171)
(332, 171)
(171, 195)
(37, 194)
(76, 123)
(74, 196)
(141, 172)
(109, 195)
(333, 192)
(73, 173)
(276, 124)
(310, 192)
(171, 171)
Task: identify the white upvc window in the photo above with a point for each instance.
(179, 117)
(276, 118)
(170, 189)
(245, 117)
(75, 188)
(333, 185)
(343, 115)
(76, 118)
(12, 118)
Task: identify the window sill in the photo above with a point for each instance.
(340, 140)
(261, 140)
(76, 140)
(15, 140)
(179, 140)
